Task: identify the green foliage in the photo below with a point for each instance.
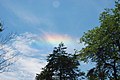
(103, 45)
(61, 66)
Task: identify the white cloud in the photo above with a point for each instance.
(31, 60)
(22, 44)
(31, 65)
(26, 67)
(7, 76)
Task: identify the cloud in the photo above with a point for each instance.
(20, 12)
(25, 15)
(32, 19)
(27, 64)
(28, 67)
(31, 59)
(23, 44)
(7, 76)
(55, 39)
(24, 69)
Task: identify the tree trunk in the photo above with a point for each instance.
(60, 75)
(115, 71)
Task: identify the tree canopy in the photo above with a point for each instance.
(103, 46)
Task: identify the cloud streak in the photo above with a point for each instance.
(25, 15)
(54, 39)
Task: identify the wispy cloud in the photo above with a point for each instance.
(26, 67)
(20, 12)
(25, 15)
(31, 60)
(23, 44)
(54, 38)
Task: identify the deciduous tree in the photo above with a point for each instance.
(103, 45)
(6, 57)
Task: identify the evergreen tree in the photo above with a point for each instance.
(61, 66)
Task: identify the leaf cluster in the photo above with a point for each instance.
(103, 44)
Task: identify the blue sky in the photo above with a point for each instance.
(42, 24)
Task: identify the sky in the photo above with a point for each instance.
(40, 25)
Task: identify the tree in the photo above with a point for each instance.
(6, 57)
(103, 45)
(61, 66)
(1, 27)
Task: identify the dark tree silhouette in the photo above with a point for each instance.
(61, 66)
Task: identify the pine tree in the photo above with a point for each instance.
(61, 66)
